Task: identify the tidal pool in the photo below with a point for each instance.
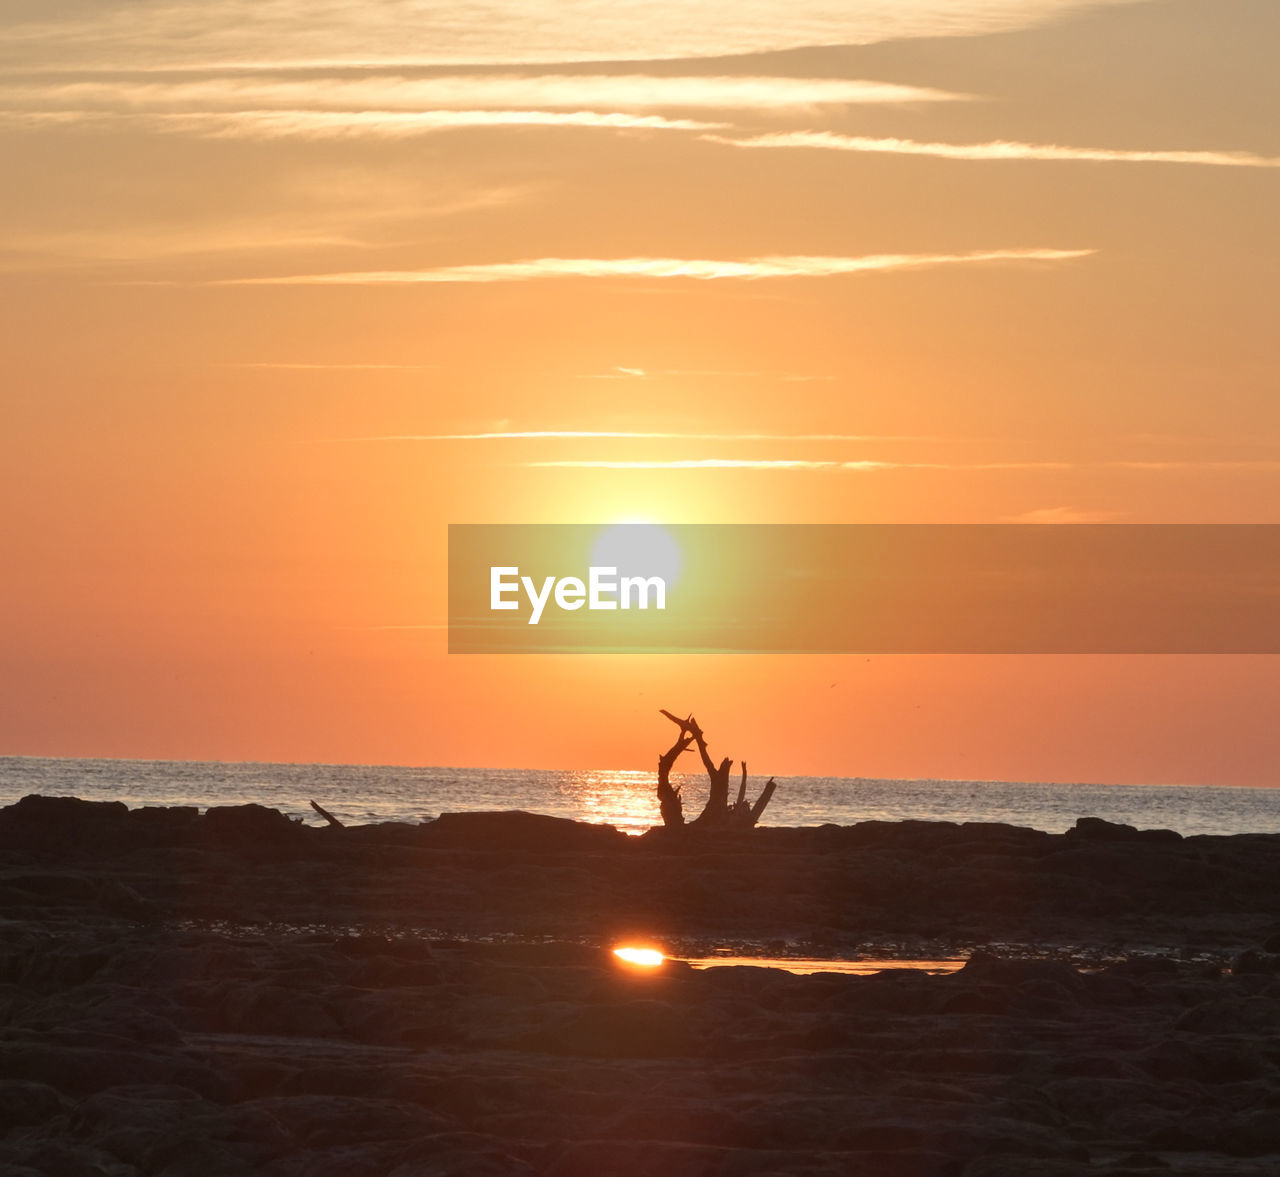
(791, 964)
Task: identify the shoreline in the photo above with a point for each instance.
(370, 795)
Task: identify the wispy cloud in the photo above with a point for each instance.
(43, 250)
(392, 106)
(508, 92)
(1061, 515)
(702, 269)
(243, 33)
(344, 124)
(999, 149)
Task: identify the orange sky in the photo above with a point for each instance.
(231, 257)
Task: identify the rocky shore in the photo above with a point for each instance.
(226, 993)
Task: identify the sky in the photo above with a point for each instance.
(288, 288)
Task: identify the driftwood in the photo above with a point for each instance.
(669, 802)
(718, 813)
(333, 821)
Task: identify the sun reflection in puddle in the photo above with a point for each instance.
(861, 968)
(645, 958)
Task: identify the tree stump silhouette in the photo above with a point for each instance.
(718, 813)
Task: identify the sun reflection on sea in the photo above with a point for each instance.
(618, 797)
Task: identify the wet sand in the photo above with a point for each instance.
(203, 995)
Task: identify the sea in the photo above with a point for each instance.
(357, 793)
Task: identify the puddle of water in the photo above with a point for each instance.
(860, 968)
(935, 957)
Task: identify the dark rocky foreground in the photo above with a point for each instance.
(233, 993)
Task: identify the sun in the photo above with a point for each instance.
(638, 548)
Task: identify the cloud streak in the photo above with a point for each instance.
(465, 92)
(1061, 515)
(378, 106)
(345, 124)
(700, 269)
(994, 150)
(271, 33)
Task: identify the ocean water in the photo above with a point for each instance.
(369, 793)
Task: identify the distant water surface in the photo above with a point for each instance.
(370, 793)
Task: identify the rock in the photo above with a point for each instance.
(519, 831)
(994, 971)
(164, 824)
(637, 1159)
(1254, 1133)
(1096, 829)
(1252, 961)
(1003, 1166)
(362, 1160)
(689, 1122)
(632, 1029)
(65, 827)
(1200, 1061)
(1233, 1015)
(272, 1008)
(448, 1153)
(152, 1125)
(51, 1158)
(238, 825)
(33, 889)
(23, 1103)
(62, 813)
(333, 1121)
